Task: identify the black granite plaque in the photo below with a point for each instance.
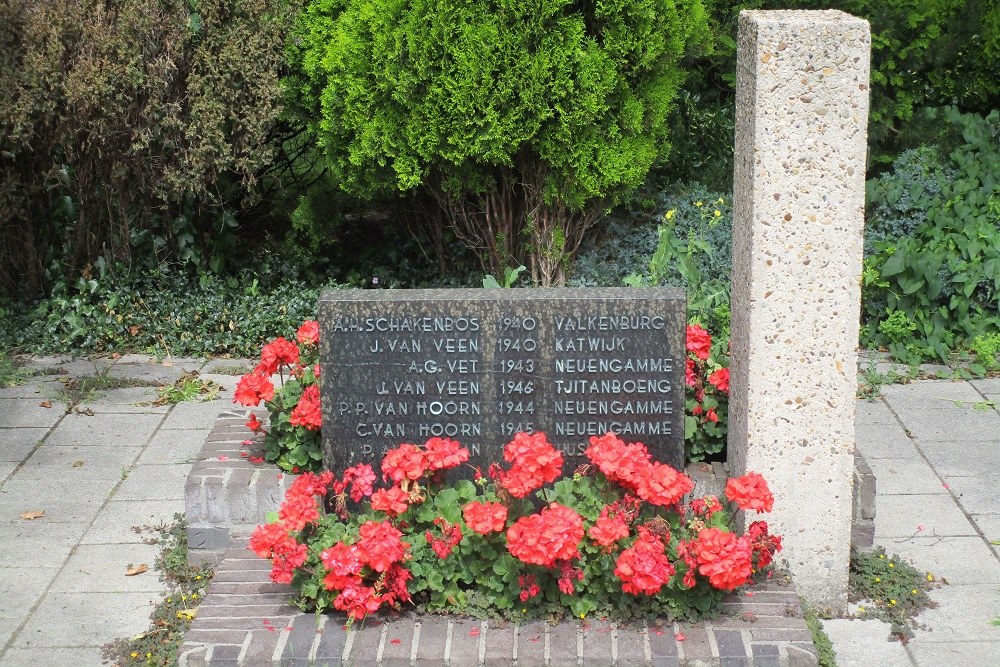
(479, 365)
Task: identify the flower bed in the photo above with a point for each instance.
(521, 540)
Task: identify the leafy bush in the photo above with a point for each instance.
(163, 312)
(942, 283)
(573, 117)
(133, 130)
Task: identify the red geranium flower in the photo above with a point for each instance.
(360, 477)
(393, 501)
(279, 352)
(690, 379)
(534, 461)
(720, 380)
(644, 567)
(254, 424)
(626, 464)
(698, 341)
(443, 454)
(549, 536)
(308, 412)
(485, 518)
(252, 389)
(608, 529)
(750, 492)
(405, 462)
(662, 485)
(344, 564)
(380, 545)
(308, 333)
(723, 557)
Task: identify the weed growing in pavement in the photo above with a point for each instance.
(80, 389)
(872, 380)
(890, 589)
(232, 369)
(12, 374)
(157, 647)
(188, 387)
(827, 656)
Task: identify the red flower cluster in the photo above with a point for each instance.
(308, 413)
(750, 492)
(720, 380)
(252, 389)
(406, 462)
(644, 567)
(279, 352)
(762, 544)
(452, 535)
(699, 342)
(529, 587)
(544, 538)
(274, 541)
(444, 454)
(567, 575)
(360, 479)
(485, 518)
(608, 529)
(706, 506)
(381, 551)
(393, 501)
(631, 466)
(535, 463)
(723, 557)
(308, 333)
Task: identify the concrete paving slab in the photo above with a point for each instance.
(987, 385)
(117, 519)
(929, 395)
(966, 424)
(37, 489)
(33, 388)
(147, 372)
(960, 458)
(19, 412)
(873, 412)
(85, 619)
(37, 543)
(977, 494)
(905, 476)
(17, 443)
(77, 657)
(21, 588)
(964, 613)
(863, 643)
(79, 510)
(154, 482)
(989, 524)
(125, 401)
(129, 430)
(6, 469)
(77, 464)
(101, 568)
(230, 367)
(78, 367)
(195, 414)
(9, 625)
(884, 441)
(174, 446)
(956, 654)
(960, 560)
(927, 515)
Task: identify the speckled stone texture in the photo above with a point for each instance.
(799, 192)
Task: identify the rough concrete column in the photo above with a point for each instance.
(799, 192)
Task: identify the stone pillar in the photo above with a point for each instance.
(798, 217)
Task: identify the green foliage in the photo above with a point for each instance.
(987, 350)
(510, 276)
(12, 373)
(942, 283)
(163, 312)
(171, 618)
(136, 132)
(890, 589)
(573, 117)
(827, 655)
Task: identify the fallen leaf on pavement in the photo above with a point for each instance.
(78, 463)
(32, 514)
(136, 569)
(45, 404)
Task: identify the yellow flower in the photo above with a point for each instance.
(892, 602)
(699, 204)
(913, 592)
(877, 579)
(718, 213)
(583, 615)
(720, 200)
(892, 565)
(135, 654)
(881, 555)
(670, 214)
(930, 577)
(861, 610)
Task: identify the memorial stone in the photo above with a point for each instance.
(479, 365)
